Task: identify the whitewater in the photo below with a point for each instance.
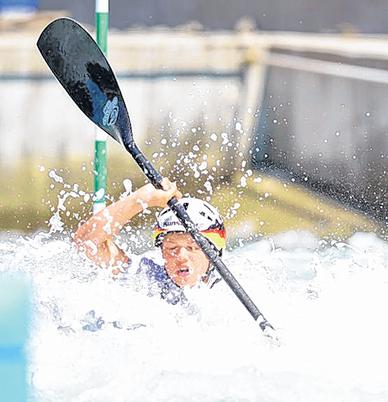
(327, 301)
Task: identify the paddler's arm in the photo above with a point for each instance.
(96, 236)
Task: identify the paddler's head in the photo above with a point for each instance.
(185, 262)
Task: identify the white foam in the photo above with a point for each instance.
(327, 303)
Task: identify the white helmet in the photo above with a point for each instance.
(206, 218)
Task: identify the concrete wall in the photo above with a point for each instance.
(37, 118)
(171, 83)
(327, 131)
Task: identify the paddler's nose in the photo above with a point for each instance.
(182, 253)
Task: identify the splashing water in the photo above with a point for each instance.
(327, 302)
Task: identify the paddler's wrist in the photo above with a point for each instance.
(143, 198)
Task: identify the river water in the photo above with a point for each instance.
(326, 300)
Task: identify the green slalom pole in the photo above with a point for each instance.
(100, 149)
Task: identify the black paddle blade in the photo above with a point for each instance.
(82, 69)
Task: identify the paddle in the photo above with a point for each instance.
(82, 69)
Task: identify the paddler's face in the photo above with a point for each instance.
(185, 262)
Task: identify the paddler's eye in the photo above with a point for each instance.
(192, 248)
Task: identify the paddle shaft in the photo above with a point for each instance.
(156, 179)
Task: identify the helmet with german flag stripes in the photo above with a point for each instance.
(206, 218)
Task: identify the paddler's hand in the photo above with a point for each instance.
(151, 197)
